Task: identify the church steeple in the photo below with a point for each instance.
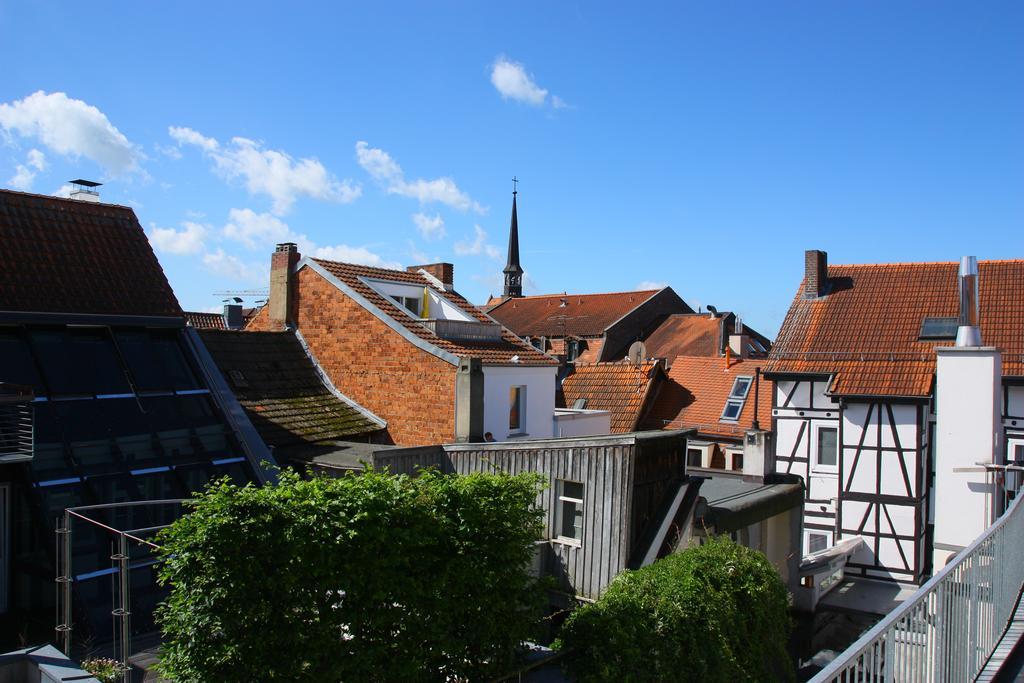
(513, 271)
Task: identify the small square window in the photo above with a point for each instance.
(569, 511)
(740, 387)
(737, 462)
(732, 411)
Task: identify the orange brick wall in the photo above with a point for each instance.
(373, 365)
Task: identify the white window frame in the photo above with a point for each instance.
(521, 428)
(817, 465)
(705, 454)
(560, 498)
(816, 532)
(738, 399)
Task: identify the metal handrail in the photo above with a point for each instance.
(948, 629)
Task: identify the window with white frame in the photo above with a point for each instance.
(409, 303)
(569, 511)
(737, 397)
(826, 445)
(517, 409)
(816, 542)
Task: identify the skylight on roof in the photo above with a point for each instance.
(737, 398)
(938, 328)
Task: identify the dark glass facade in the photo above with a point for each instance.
(121, 414)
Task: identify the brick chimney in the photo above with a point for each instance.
(282, 284)
(815, 274)
(443, 272)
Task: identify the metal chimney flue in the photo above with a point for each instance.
(969, 331)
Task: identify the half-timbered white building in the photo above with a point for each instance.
(854, 411)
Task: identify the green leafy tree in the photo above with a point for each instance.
(372, 577)
(717, 612)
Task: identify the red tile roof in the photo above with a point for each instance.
(620, 388)
(491, 353)
(69, 256)
(205, 321)
(688, 334)
(584, 315)
(865, 330)
(693, 396)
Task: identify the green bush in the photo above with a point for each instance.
(718, 612)
(362, 578)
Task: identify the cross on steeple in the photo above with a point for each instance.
(513, 271)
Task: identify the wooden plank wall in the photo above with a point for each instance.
(409, 460)
(606, 472)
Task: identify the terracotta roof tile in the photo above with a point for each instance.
(865, 330)
(69, 256)
(620, 388)
(584, 315)
(689, 334)
(694, 394)
(205, 321)
(491, 353)
(280, 390)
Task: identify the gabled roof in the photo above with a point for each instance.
(865, 330)
(69, 256)
(583, 315)
(621, 388)
(205, 321)
(279, 387)
(694, 394)
(686, 334)
(491, 353)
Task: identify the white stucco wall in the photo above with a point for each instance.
(540, 399)
(569, 422)
(967, 432)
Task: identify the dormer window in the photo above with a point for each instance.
(410, 303)
(737, 397)
(572, 350)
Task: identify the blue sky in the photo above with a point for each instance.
(701, 145)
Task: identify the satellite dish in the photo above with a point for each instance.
(637, 353)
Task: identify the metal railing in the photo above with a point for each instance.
(464, 330)
(951, 625)
(15, 431)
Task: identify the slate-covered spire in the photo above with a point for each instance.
(513, 271)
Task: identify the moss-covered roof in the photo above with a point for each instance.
(281, 390)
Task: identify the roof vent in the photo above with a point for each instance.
(969, 332)
(84, 190)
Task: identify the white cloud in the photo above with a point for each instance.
(226, 265)
(187, 136)
(649, 284)
(360, 255)
(189, 240)
(168, 150)
(478, 246)
(418, 256)
(558, 103)
(270, 172)
(431, 227)
(71, 128)
(511, 80)
(384, 169)
(25, 174)
(253, 229)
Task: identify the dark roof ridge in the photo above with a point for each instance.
(66, 199)
(565, 294)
